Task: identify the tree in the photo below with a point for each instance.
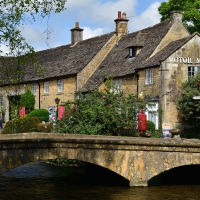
(187, 106)
(107, 112)
(190, 9)
(16, 13)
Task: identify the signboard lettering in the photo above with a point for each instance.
(182, 60)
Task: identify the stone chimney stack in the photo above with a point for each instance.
(176, 17)
(76, 34)
(121, 23)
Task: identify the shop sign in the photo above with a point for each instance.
(166, 127)
(185, 60)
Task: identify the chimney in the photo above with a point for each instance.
(121, 23)
(76, 34)
(176, 16)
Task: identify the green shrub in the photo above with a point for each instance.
(45, 128)
(151, 126)
(21, 125)
(43, 114)
(191, 132)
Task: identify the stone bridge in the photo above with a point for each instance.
(136, 159)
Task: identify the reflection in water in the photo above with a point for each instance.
(42, 181)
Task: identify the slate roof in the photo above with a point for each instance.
(65, 60)
(166, 52)
(117, 62)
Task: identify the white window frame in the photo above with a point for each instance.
(117, 86)
(1, 102)
(33, 88)
(132, 52)
(149, 76)
(192, 70)
(46, 87)
(60, 85)
(152, 109)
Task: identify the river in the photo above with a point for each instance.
(41, 181)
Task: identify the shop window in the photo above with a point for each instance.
(149, 76)
(46, 87)
(60, 85)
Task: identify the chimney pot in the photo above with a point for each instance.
(124, 15)
(119, 15)
(76, 25)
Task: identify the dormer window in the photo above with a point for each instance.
(132, 52)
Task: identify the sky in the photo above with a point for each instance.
(96, 17)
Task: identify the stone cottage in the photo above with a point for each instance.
(155, 61)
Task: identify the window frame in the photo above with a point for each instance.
(46, 87)
(132, 52)
(193, 72)
(1, 102)
(60, 83)
(149, 76)
(117, 86)
(152, 109)
(33, 88)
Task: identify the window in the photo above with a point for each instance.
(152, 113)
(132, 51)
(60, 85)
(1, 102)
(117, 86)
(33, 88)
(149, 76)
(192, 70)
(46, 87)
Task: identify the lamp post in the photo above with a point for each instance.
(57, 100)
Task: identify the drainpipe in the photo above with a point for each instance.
(137, 79)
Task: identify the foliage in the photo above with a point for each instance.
(45, 128)
(187, 106)
(20, 125)
(191, 132)
(101, 112)
(191, 14)
(28, 100)
(151, 126)
(43, 114)
(157, 134)
(14, 15)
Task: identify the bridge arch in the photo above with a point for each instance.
(136, 159)
(185, 174)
